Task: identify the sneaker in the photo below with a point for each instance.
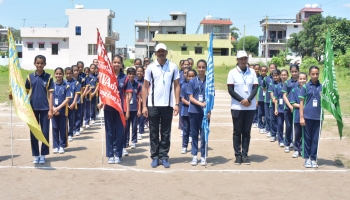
(184, 150)
(181, 134)
(87, 126)
(125, 153)
(281, 144)
(165, 163)
(42, 160)
(295, 154)
(307, 163)
(155, 163)
(262, 131)
(268, 134)
(36, 160)
(117, 160)
(286, 150)
(238, 161)
(272, 139)
(291, 146)
(194, 161)
(190, 139)
(133, 145)
(314, 164)
(55, 150)
(111, 160)
(203, 162)
(77, 133)
(81, 130)
(139, 136)
(246, 160)
(61, 150)
(92, 122)
(70, 139)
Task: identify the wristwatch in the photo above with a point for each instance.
(177, 104)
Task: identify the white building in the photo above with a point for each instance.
(279, 30)
(63, 47)
(146, 30)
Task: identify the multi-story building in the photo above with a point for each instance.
(276, 32)
(63, 47)
(146, 30)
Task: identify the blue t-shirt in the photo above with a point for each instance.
(197, 88)
(60, 93)
(260, 95)
(287, 87)
(182, 77)
(91, 81)
(271, 88)
(122, 82)
(135, 89)
(74, 86)
(183, 94)
(82, 83)
(39, 86)
(266, 84)
(278, 94)
(311, 93)
(294, 99)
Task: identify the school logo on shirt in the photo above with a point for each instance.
(44, 84)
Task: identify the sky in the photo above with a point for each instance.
(51, 13)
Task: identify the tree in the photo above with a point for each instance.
(16, 35)
(234, 32)
(251, 44)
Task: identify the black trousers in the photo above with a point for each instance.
(242, 122)
(164, 117)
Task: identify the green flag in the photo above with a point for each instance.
(330, 96)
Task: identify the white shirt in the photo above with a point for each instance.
(243, 83)
(161, 84)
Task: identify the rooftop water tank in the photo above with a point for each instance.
(79, 6)
(314, 6)
(208, 17)
(307, 5)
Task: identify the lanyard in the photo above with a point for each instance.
(57, 93)
(244, 77)
(200, 85)
(161, 70)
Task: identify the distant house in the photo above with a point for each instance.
(4, 48)
(77, 42)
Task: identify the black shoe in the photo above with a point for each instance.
(238, 161)
(246, 160)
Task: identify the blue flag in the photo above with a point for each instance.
(209, 90)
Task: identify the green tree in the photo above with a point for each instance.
(234, 32)
(251, 44)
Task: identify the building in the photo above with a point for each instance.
(276, 32)
(183, 46)
(146, 30)
(63, 47)
(4, 48)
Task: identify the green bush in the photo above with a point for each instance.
(278, 61)
(343, 60)
(308, 62)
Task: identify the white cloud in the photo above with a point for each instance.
(346, 5)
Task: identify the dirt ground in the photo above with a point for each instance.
(82, 172)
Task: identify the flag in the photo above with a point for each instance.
(108, 84)
(330, 96)
(209, 89)
(21, 100)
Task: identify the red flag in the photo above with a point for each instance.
(108, 84)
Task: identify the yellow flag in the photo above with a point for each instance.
(21, 99)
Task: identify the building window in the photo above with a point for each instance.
(183, 48)
(92, 49)
(172, 32)
(30, 45)
(175, 17)
(198, 50)
(216, 29)
(19, 54)
(78, 30)
(41, 46)
(54, 49)
(295, 26)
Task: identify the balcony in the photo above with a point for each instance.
(113, 35)
(5, 44)
(280, 21)
(283, 40)
(222, 36)
(144, 41)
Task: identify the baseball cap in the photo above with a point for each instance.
(160, 46)
(241, 54)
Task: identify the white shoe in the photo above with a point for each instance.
(87, 126)
(42, 160)
(272, 139)
(125, 153)
(194, 161)
(291, 146)
(181, 134)
(295, 154)
(203, 161)
(307, 163)
(286, 150)
(262, 131)
(117, 160)
(190, 139)
(139, 136)
(36, 160)
(314, 164)
(81, 130)
(133, 146)
(61, 150)
(184, 150)
(77, 133)
(111, 160)
(70, 139)
(281, 144)
(268, 134)
(92, 122)
(55, 150)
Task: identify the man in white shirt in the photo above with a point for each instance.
(161, 78)
(242, 85)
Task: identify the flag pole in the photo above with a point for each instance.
(101, 138)
(11, 133)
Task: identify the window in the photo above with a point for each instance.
(30, 45)
(216, 29)
(198, 50)
(295, 26)
(175, 17)
(152, 33)
(41, 46)
(54, 49)
(183, 48)
(92, 49)
(172, 32)
(78, 30)
(19, 54)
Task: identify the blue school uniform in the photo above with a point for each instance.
(278, 94)
(267, 101)
(113, 123)
(255, 119)
(294, 99)
(75, 89)
(311, 93)
(79, 117)
(59, 122)
(196, 88)
(271, 110)
(261, 103)
(135, 89)
(185, 115)
(39, 87)
(90, 110)
(141, 119)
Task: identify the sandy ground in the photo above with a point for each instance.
(82, 172)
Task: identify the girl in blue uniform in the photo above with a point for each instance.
(257, 72)
(61, 96)
(273, 118)
(185, 101)
(40, 86)
(288, 110)
(86, 95)
(260, 100)
(279, 107)
(141, 119)
(81, 78)
(90, 110)
(196, 92)
(295, 101)
(267, 100)
(79, 90)
(72, 104)
(310, 117)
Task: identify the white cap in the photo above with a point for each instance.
(160, 46)
(241, 54)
